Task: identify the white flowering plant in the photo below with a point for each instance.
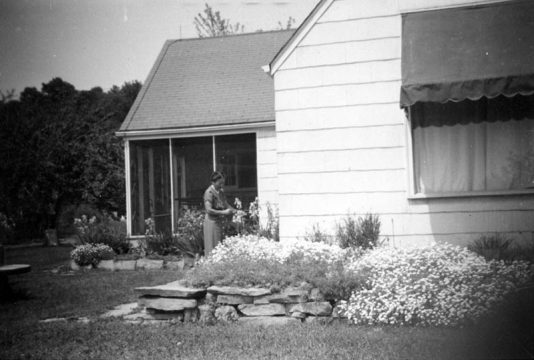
(247, 222)
(253, 260)
(91, 254)
(436, 285)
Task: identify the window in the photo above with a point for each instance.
(473, 146)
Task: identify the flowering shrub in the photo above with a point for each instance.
(91, 254)
(437, 285)
(255, 261)
(190, 232)
(106, 231)
(248, 222)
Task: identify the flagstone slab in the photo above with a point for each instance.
(121, 310)
(167, 304)
(106, 265)
(230, 290)
(125, 265)
(148, 264)
(262, 310)
(312, 308)
(268, 320)
(160, 315)
(234, 299)
(172, 290)
(174, 265)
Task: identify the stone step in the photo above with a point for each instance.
(262, 310)
(312, 308)
(268, 320)
(171, 290)
(231, 290)
(234, 299)
(167, 304)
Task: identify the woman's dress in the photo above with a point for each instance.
(213, 223)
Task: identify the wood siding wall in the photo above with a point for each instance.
(342, 138)
(267, 167)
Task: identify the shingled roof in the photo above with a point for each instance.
(208, 81)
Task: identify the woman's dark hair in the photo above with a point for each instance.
(216, 176)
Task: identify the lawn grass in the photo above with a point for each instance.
(44, 294)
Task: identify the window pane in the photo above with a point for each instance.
(150, 185)
(236, 158)
(484, 147)
(192, 168)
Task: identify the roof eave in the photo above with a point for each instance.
(193, 131)
(299, 34)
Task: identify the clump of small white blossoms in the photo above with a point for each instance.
(256, 248)
(436, 285)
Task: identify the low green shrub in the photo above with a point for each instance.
(91, 254)
(105, 230)
(163, 243)
(493, 247)
(358, 233)
(436, 285)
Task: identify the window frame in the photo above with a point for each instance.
(412, 195)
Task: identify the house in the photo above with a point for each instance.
(206, 104)
(419, 111)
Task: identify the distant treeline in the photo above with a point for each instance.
(58, 149)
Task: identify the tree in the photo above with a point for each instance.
(58, 148)
(211, 24)
(288, 25)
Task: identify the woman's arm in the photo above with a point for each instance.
(210, 210)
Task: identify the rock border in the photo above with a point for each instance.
(131, 265)
(176, 303)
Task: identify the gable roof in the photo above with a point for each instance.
(299, 34)
(208, 82)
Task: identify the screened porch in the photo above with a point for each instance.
(167, 176)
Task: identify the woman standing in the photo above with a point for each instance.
(216, 209)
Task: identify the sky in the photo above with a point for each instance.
(91, 43)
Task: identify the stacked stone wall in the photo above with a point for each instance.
(178, 303)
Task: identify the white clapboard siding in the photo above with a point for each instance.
(354, 73)
(266, 165)
(423, 224)
(341, 139)
(419, 5)
(267, 171)
(360, 203)
(338, 95)
(266, 157)
(356, 9)
(341, 182)
(342, 160)
(353, 30)
(342, 53)
(339, 117)
(341, 136)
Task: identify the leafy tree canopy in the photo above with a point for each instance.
(58, 147)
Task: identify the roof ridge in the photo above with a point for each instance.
(233, 35)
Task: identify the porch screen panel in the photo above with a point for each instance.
(192, 168)
(150, 185)
(236, 158)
